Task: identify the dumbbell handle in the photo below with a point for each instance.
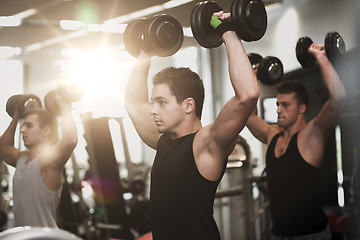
(221, 26)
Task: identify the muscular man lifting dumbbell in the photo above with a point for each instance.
(190, 159)
(39, 169)
(296, 151)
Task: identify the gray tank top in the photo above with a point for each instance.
(34, 203)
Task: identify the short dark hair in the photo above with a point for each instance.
(300, 90)
(46, 119)
(183, 83)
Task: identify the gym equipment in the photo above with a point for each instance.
(146, 236)
(249, 19)
(21, 103)
(70, 92)
(255, 59)
(334, 48)
(36, 233)
(137, 186)
(346, 223)
(161, 35)
(303, 56)
(269, 70)
(133, 36)
(50, 103)
(203, 32)
(140, 216)
(110, 210)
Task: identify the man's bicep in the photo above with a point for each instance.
(311, 143)
(326, 119)
(57, 155)
(229, 123)
(144, 125)
(10, 155)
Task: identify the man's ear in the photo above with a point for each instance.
(302, 108)
(47, 131)
(189, 105)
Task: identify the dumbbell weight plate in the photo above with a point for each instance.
(270, 70)
(140, 216)
(334, 46)
(254, 58)
(50, 103)
(28, 101)
(302, 54)
(200, 19)
(133, 36)
(12, 103)
(70, 91)
(195, 25)
(163, 36)
(249, 18)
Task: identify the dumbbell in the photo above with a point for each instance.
(255, 59)
(161, 36)
(22, 103)
(248, 17)
(69, 91)
(269, 70)
(334, 48)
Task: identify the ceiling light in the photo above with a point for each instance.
(10, 21)
(27, 13)
(71, 25)
(147, 11)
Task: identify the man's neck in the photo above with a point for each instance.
(294, 128)
(187, 129)
(36, 151)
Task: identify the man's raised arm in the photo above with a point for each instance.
(8, 152)
(232, 118)
(137, 101)
(316, 132)
(330, 111)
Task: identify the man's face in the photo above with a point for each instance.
(31, 132)
(168, 114)
(288, 109)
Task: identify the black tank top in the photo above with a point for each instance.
(293, 190)
(181, 198)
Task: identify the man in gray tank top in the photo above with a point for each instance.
(38, 176)
(295, 153)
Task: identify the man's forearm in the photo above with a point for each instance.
(8, 137)
(68, 126)
(242, 75)
(136, 87)
(332, 81)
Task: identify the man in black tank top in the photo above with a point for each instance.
(295, 153)
(190, 159)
